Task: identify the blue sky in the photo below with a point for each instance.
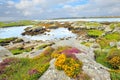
(45, 9)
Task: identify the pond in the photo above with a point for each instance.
(58, 33)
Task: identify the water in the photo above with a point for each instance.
(11, 32)
(52, 35)
(89, 19)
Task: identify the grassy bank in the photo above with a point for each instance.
(17, 23)
(25, 68)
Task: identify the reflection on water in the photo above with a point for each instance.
(53, 34)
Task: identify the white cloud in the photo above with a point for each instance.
(41, 9)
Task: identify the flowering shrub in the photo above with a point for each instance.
(115, 62)
(70, 66)
(113, 58)
(68, 51)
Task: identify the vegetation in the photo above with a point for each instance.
(113, 58)
(113, 36)
(66, 61)
(114, 25)
(104, 43)
(19, 51)
(95, 33)
(7, 40)
(25, 68)
(110, 59)
(88, 44)
(43, 46)
(93, 24)
(17, 23)
(70, 66)
(115, 75)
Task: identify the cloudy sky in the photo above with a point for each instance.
(45, 9)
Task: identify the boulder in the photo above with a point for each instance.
(95, 70)
(107, 29)
(4, 52)
(34, 31)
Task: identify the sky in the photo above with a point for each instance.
(47, 9)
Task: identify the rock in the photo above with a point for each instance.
(15, 46)
(118, 45)
(53, 74)
(1, 60)
(95, 45)
(117, 29)
(112, 44)
(34, 31)
(75, 43)
(91, 40)
(107, 29)
(4, 52)
(95, 70)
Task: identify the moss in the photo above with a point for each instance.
(113, 36)
(7, 40)
(93, 24)
(88, 44)
(43, 46)
(19, 51)
(95, 33)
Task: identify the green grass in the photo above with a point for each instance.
(43, 46)
(7, 40)
(94, 33)
(19, 51)
(25, 68)
(93, 24)
(17, 23)
(115, 75)
(113, 25)
(101, 58)
(113, 36)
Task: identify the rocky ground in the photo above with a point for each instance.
(95, 70)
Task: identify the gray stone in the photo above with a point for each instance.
(95, 45)
(112, 44)
(4, 52)
(95, 70)
(118, 45)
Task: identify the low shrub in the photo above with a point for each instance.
(113, 58)
(71, 67)
(68, 51)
